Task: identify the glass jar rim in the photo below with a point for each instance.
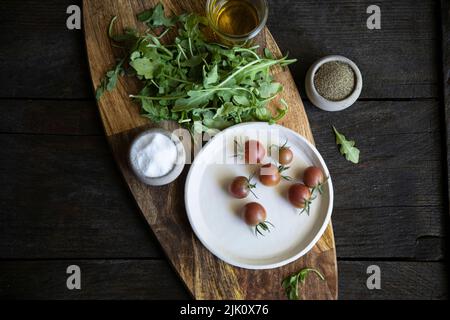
(247, 36)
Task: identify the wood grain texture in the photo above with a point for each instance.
(399, 61)
(392, 60)
(70, 117)
(152, 279)
(399, 280)
(205, 276)
(445, 16)
(62, 190)
(100, 280)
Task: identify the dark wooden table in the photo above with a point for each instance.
(63, 202)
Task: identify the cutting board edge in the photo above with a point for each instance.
(110, 133)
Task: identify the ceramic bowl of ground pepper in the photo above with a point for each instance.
(333, 83)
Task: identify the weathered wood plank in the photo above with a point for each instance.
(445, 19)
(368, 117)
(369, 223)
(391, 232)
(153, 279)
(42, 57)
(50, 117)
(399, 280)
(62, 196)
(100, 279)
(398, 61)
(399, 141)
(400, 145)
(78, 175)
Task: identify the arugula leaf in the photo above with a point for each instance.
(263, 114)
(109, 82)
(155, 17)
(144, 67)
(225, 110)
(241, 100)
(291, 283)
(348, 148)
(154, 111)
(268, 90)
(100, 91)
(210, 78)
(268, 54)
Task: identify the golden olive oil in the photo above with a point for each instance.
(237, 18)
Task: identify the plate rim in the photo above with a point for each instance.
(284, 261)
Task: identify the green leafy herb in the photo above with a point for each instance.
(348, 148)
(109, 82)
(268, 54)
(200, 84)
(129, 35)
(155, 17)
(291, 283)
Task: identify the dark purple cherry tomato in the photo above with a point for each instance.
(255, 216)
(269, 175)
(240, 187)
(314, 178)
(285, 155)
(300, 196)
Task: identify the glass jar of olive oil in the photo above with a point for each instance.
(237, 20)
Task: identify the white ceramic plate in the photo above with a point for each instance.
(214, 214)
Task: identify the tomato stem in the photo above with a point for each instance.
(307, 207)
(251, 185)
(281, 169)
(319, 186)
(264, 226)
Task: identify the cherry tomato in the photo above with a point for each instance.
(300, 196)
(269, 175)
(240, 187)
(285, 155)
(254, 152)
(313, 177)
(254, 214)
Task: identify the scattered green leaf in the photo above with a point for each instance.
(109, 82)
(155, 17)
(268, 54)
(291, 283)
(348, 148)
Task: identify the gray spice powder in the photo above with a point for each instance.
(335, 80)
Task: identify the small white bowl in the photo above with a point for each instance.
(177, 168)
(320, 101)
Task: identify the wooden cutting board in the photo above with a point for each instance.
(204, 275)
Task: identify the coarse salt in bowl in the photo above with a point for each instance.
(157, 157)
